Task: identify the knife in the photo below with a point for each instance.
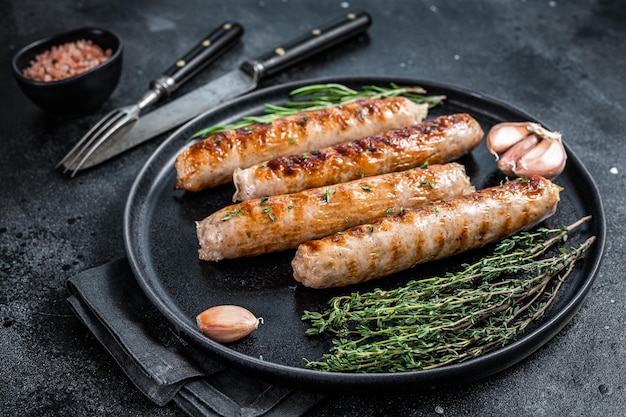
(121, 119)
(230, 85)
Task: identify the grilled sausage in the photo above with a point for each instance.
(434, 141)
(282, 222)
(434, 231)
(211, 162)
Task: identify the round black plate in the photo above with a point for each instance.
(162, 248)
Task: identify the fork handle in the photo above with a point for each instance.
(206, 51)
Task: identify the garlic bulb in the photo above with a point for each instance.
(227, 323)
(525, 149)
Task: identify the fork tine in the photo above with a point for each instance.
(112, 129)
(86, 137)
(103, 130)
(89, 140)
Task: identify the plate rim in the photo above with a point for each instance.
(312, 379)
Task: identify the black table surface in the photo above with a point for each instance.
(562, 62)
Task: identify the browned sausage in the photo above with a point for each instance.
(211, 161)
(282, 222)
(434, 231)
(434, 141)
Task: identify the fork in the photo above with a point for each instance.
(118, 121)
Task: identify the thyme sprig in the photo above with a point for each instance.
(437, 321)
(319, 96)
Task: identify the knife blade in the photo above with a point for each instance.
(230, 85)
(121, 119)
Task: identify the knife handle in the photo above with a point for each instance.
(206, 51)
(316, 41)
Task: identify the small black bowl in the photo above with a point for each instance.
(82, 93)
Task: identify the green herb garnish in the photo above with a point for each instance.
(437, 321)
(327, 195)
(231, 213)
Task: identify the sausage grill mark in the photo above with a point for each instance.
(431, 232)
(435, 141)
(322, 211)
(212, 161)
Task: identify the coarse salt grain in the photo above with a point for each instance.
(66, 60)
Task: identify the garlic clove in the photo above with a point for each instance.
(509, 159)
(504, 135)
(227, 323)
(546, 159)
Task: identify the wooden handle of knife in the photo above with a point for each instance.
(316, 41)
(203, 53)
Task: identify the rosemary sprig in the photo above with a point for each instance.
(438, 321)
(319, 96)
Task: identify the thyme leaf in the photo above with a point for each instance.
(437, 321)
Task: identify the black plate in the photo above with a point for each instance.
(162, 247)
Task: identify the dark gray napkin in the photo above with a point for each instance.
(161, 364)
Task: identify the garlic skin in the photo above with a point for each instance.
(525, 148)
(227, 323)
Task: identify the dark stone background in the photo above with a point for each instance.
(560, 61)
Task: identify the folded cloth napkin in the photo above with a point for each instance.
(108, 300)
